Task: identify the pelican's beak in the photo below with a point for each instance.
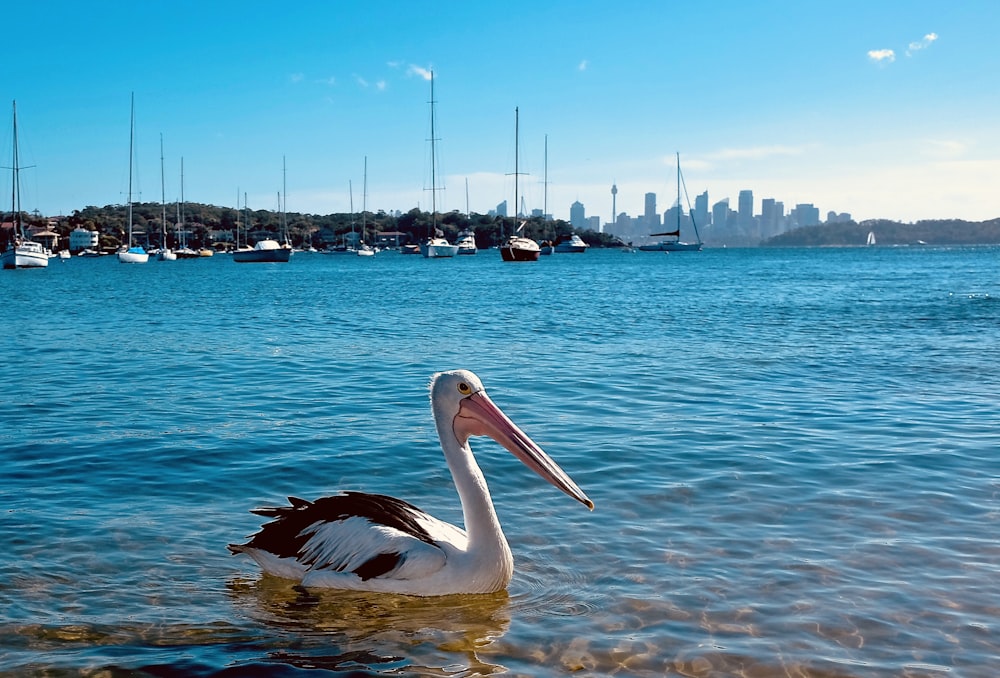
(478, 416)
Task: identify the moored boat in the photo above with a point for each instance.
(466, 243)
(20, 252)
(572, 244)
(675, 245)
(130, 253)
(265, 251)
(517, 247)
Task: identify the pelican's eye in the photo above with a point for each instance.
(464, 388)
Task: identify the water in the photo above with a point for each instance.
(791, 452)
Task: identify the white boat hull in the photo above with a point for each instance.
(265, 251)
(132, 256)
(27, 255)
(439, 251)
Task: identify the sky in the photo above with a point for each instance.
(878, 108)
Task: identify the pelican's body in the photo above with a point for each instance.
(373, 542)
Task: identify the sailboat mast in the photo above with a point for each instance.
(364, 199)
(517, 123)
(163, 198)
(15, 189)
(131, 135)
(433, 232)
(350, 193)
(237, 217)
(678, 154)
(181, 206)
(283, 199)
(545, 181)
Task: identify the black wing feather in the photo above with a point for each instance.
(284, 536)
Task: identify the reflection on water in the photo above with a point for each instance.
(376, 631)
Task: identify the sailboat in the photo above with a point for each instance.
(364, 249)
(165, 253)
(676, 245)
(183, 252)
(21, 252)
(871, 238)
(517, 247)
(265, 251)
(435, 247)
(129, 253)
(466, 240)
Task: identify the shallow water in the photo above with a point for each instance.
(791, 453)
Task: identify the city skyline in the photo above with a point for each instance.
(880, 111)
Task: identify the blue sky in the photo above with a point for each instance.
(884, 109)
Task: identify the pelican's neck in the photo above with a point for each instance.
(481, 524)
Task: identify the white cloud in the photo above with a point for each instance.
(296, 77)
(880, 56)
(583, 65)
(331, 81)
(380, 85)
(419, 71)
(921, 44)
(361, 81)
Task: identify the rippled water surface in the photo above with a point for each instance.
(793, 456)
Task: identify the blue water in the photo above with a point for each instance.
(793, 457)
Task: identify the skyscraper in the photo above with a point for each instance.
(745, 208)
(577, 216)
(701, 209)
(650, 216)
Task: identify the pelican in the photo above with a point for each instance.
(371, 542)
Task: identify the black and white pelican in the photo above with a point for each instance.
(372, 542)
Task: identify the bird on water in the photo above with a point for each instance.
(372, 542)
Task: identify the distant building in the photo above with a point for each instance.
(771, 217)
(577, 216)
(701, 213)
(502, 209)
(805, 214)
(650, 216)
(745, 219)
(82, 239)
(720, 215)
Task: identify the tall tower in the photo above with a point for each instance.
(614, 206)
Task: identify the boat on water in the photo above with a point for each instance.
(129, 252)
(466, 243)
(675, 244)
(164, 253)
(183, 251)
(871, 238)
(364, 249)
(517, 247)
(266, 251)
(436, 246)
(19, 251)
(572, 244)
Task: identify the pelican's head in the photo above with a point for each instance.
(460, 397)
